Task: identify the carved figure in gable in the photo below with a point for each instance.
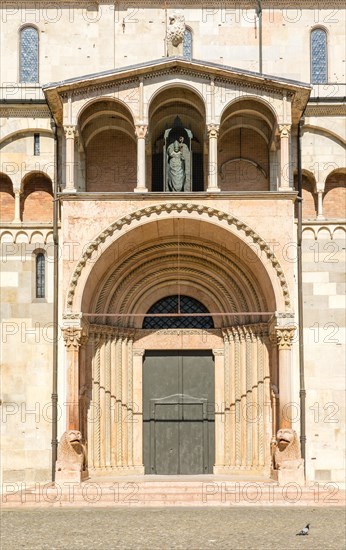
(175, 34)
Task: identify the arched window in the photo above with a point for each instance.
(318, 56)
(28, 45)
(187, 44)
(177, 304)
(40, 276)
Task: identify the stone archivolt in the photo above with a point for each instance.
(247, 233)
(231, 287)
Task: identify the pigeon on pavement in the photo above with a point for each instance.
(304, 531)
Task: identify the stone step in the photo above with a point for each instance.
(176, 494)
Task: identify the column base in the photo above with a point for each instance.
(140, 190)
(68, 190)
(213, 189)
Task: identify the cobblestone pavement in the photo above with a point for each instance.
(173, 528)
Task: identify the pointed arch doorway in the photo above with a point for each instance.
(178, 395)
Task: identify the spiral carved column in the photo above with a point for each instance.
(246, 396)
(110, 413)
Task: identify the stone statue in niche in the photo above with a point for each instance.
(177, 158)
(176, 168)
(175, 34)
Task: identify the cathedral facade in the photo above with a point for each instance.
(172, 236)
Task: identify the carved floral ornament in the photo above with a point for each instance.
(178, 207)
(283, 336)
(74, 337)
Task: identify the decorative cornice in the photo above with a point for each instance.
(178, 207)
(28, 112)
(336, 109)
(290, 194)
(242, 80)
(96, 331)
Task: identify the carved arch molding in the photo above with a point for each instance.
(246, 231)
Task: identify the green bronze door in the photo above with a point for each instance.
(178, 412)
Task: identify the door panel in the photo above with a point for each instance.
(178, 412)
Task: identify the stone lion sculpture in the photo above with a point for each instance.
(287, 452)
(176, 30)
(71, 452)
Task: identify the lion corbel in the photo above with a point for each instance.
(287, 457)
(71, 462)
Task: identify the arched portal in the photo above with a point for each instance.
(220, 278)
(108, 146)
(246, 137)
(177, 114)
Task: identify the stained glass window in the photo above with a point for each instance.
(29, 55)
(169, 305)
(40, 276)
(318, 56)
(187, 44)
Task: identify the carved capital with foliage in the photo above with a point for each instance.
(213, 130)
(70, 131)
(141, 131)
(74, 337)
(285, 130)
(284, 336)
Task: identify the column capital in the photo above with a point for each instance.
(138, 352)
(218, 352)
(141, 130)
(70, 131)
(213, 130)
(285, 130)
(74, 337)
(75, 331)
(283, 337)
